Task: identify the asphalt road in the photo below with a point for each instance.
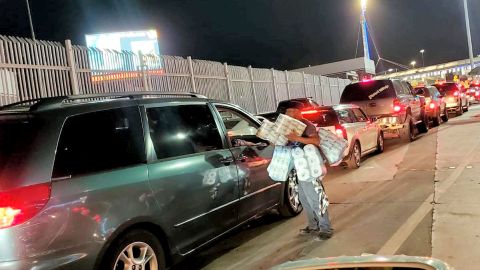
(414, 199)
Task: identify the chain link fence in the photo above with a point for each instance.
(33, 69)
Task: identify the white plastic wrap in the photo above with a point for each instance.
(300, 163)
(281, 164)
(265, 131)
(303, 174)
(332, 146)
(286, 124)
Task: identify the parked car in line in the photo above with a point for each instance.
(392, 103)
(435, 105)
(118, 181)
(351, 123)
(455, 97)
(474, 94)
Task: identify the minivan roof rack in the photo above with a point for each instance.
(38, 103)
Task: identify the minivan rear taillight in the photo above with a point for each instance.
(21, 204)
(341, 132)
(397, 106)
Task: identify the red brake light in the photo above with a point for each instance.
(19, 205)
(397, 108)
(432, 105)
(341, 132)
(456, 93)
(477, 94)
(309, 112)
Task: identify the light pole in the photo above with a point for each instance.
(469, 35)
(422, 51)
(30, 19)
(413, 63)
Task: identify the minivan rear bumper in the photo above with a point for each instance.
(391, 123)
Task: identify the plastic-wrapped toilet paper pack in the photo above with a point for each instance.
(332, 146)
(303, 174)
(281, 164)
(285, 125)
(298, 152)
(265, 131)
(301, 163)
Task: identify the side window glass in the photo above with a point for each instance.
(183, 130)
(345, 117)
(406, 88)
(398, 87)
(100, 141)
(239, 127)
(360, 115)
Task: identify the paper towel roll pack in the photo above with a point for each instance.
(281, 164)
(308, 162)
(276, 132)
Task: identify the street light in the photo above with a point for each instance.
(30, 19)
(469, 35)
(422, 51)
(364, 4)
(413, 63)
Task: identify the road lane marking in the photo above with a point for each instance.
(407, 228)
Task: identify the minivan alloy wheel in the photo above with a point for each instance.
(292, 192)
(136, 256)
(357, 155)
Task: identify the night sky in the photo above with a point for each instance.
(283, 34)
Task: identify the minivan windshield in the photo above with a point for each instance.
(368, 90)
(17, 140)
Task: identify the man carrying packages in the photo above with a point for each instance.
(311, 192)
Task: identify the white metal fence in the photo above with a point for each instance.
(32, 69)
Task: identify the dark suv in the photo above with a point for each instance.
(123, 181)
(392, 103)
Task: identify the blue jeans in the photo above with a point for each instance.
(310, 200)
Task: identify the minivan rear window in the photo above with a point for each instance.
(18, 136)
(448, 88)
(325, 118)
(370, 90)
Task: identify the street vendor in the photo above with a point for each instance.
(311, 192)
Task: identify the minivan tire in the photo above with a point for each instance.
(423, 126)
(355, 156)
(467, 107)
(436, 120)
(445, 115)
(380, 143)
(137, 238)
(289, 208)
(409, 132)
(460, 110)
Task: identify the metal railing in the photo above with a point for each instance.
(34, 69)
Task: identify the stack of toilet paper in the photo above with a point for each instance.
(275, 132)
(332, 146)
(281, 164)
(308, 162)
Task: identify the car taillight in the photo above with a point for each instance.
(456, 93)
(341, 132)
(21, 204)
(432, 105)
(307, 112)
(397, 107)
(477, 94)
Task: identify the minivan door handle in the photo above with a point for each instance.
(373, 104)
(226, 160)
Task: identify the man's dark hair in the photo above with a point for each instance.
(294, 105)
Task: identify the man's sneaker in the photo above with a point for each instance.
(324, 236)
(307, 230)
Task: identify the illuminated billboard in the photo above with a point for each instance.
(134, 41)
